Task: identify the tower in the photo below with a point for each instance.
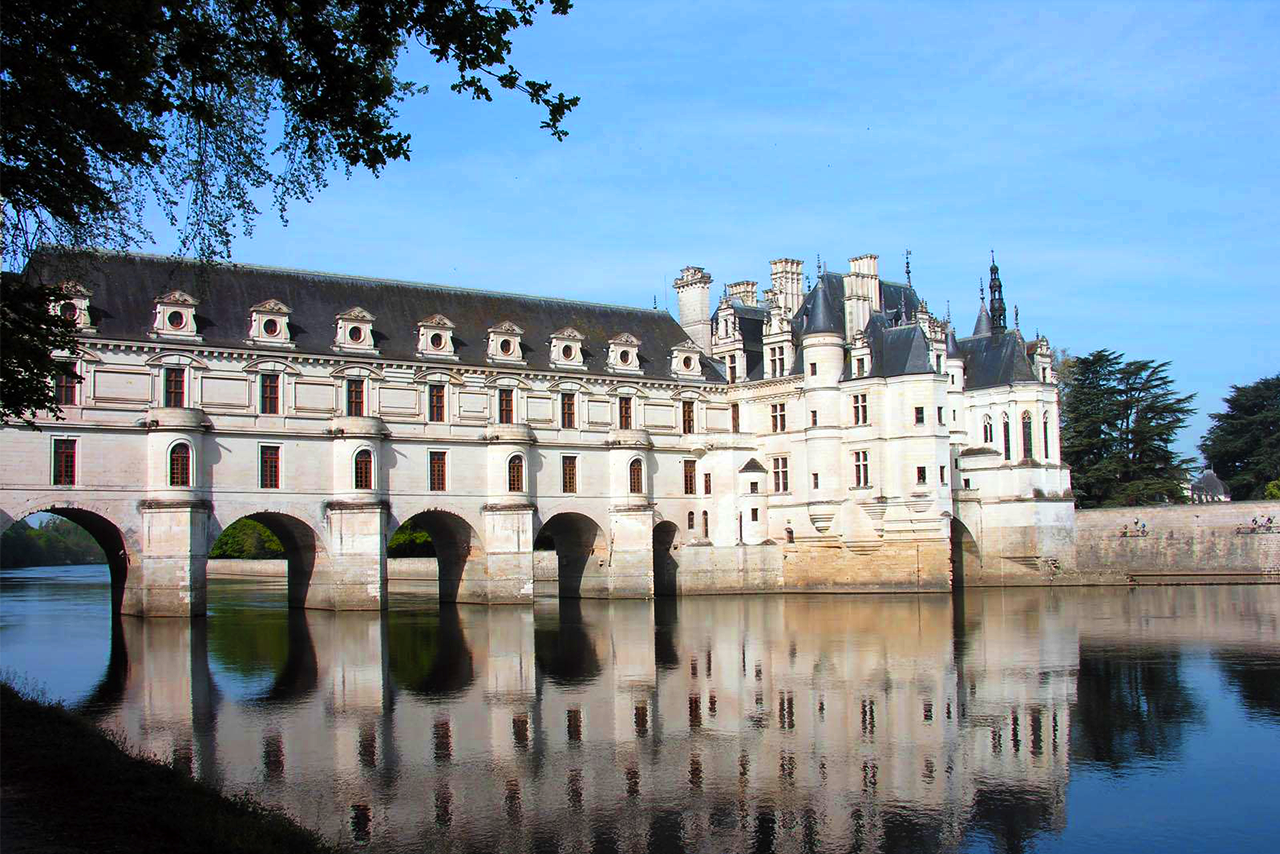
(693, 294)
(997, 297)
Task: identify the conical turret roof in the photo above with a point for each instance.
(824, 318)
(983, 326)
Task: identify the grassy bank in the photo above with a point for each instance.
(65, 786)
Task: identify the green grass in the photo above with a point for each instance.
(67, 786)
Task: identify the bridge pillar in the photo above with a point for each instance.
(169, 580)
(354, 578)
(508, 539)
(629, 563)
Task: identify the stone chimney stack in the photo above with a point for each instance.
(866, 268)
(745, 291)
(693, 294)
(787, 280)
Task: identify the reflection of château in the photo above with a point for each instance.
(839, 437)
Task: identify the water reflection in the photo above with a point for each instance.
(719, 723)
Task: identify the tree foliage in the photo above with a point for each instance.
(1119, 423)
(247, 539)
(31, 335)
(1242, 445)
(409, 540)
(58, 542)
(200, 107)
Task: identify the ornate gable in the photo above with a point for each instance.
(175, 316)
(354, 333)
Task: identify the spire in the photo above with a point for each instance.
(908, 256)
(823, 316)
(997, 297)
(983, 326)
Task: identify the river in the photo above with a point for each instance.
(1071, 719)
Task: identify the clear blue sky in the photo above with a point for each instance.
(1121, 159)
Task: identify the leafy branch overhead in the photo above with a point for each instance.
(114, 105)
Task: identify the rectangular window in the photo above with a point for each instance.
(624, 413)
(734, 418)
(815, 480)
(861, 469)
(569, 474)
(1046, 439)
(966, 483)
(64, 387)
(755, 487)
(813, 418)
(506, 406)
(781, 481)
(1007, 449)
(733, 369)
(862, 367)
(1027, 451)
(922, 476)
(941, 419)
(269, 394)
(269, 466)
(860, 417)
(755, 514)
(778, 417)
(706, 483)
(690, 477)
(436, 471)
(566, 410)
(686, 409)
(938, 362)
(64, 462)
(355, 398)
(175, 387)
(435, 403)
(813, 369)
(942, 475)
(919, 414)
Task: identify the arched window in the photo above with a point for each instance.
(180, 465)
(1008, 447)
(988, 434)
(364, 469)
(706, 524)
(1027, 450)
(515, 474)
(690, 520)
(1046, 436)
(636, 473)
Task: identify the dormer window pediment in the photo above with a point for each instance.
(685, 360)
(504, 343)
(74, 305)
(435, 338)
(624, 354)
(176, 316)
(269, 324)
(566, 349)
(354, 331)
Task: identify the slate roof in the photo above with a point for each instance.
(820, 314)
(983, 325)
(125, 287)
(996, 359)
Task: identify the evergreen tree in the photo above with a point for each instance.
(1243, 444)
(1119, 423)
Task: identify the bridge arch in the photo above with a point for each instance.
(459, 552)
(304, 549)
(965, 555)
(576, 538)
(666, 543)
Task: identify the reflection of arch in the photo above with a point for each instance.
(666, 537)
(427, 653)
(575, 538)
(564, 652)
(459, 551)
(302, 548)
(106, 534)
(964, 553)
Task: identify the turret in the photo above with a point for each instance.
(693, 294)
(997, 297)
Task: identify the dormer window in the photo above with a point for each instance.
(624, 354)
(269, 324)
(74, 305)
(566, 349)
(504, 343)
(354, 331)
(685, 361)
(176, 316)
(435, 338)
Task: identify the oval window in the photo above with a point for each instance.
(175, 319)
(688, 363)
(68, 310)
(437, 341)
(270, 326)
(505, 346)
(355, 333)
(567, 351)
(624, 356)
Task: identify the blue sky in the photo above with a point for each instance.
(1121, 160)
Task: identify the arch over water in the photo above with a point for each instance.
(105, 532)
(459, 552)
(576, 538)
(303, 548)
(666, 540)
(964, 553)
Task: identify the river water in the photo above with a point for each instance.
(1103, 719)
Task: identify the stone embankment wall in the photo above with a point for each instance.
(1189, 540)
(398, 569)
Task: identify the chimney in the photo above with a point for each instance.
(693, 294)
(787, 279)
(745, 291)
(865, 270)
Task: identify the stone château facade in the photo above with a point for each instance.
(834, 438)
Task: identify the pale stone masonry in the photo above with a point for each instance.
(836, 438)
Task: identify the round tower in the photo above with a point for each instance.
(693, 296)
(822, 339)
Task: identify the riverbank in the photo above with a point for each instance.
(66, 786)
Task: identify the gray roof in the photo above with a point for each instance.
(125, 288)
(819, 315)
(753, 465)
(1208, 483)
(983, 324)
(996, 359)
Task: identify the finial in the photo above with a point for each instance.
(1015, 315)
(948, 311)
(993, 257)
(982, 293)
(908, 256)
(655, 302)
